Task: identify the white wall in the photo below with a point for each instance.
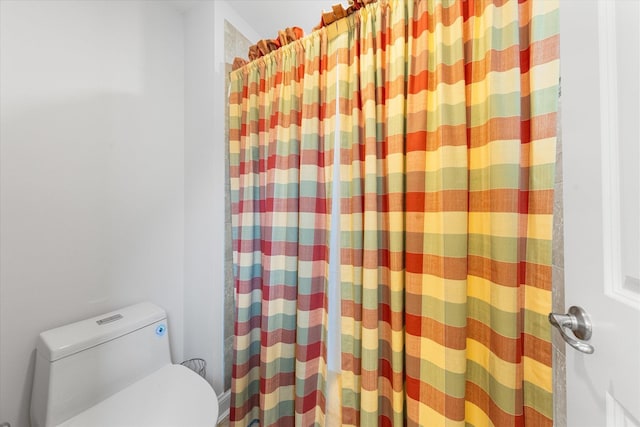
(203, 281)
(92, 173)
(281, 14)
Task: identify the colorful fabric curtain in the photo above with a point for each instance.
(447, 129)
(448, 160)
(279, 110)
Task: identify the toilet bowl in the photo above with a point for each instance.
(115, 370)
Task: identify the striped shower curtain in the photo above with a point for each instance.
(447, 113)
(371, 69)
(280, 112)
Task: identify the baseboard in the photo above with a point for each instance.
(224, 404)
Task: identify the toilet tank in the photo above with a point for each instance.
(81, 364)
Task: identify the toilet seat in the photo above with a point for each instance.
(173, 396)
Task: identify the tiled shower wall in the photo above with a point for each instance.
(558, 348)
(235, 44)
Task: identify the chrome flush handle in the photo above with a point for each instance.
(579, 322)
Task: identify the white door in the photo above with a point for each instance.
(600, 50)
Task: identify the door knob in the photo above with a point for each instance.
(580, 324)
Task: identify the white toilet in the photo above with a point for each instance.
(115, 370)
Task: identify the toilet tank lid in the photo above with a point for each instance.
(66, 340)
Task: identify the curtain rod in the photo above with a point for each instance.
(334, 21)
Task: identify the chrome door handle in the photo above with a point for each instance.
(579, 322)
